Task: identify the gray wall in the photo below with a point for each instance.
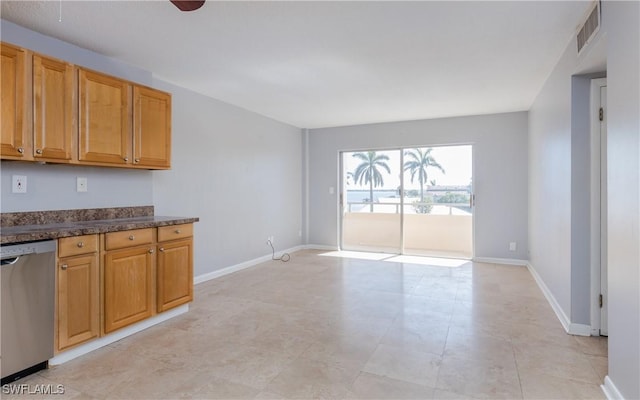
(559, 181)
(236, 170)
(550, 183)
(558, 159)
(500, 173)
(580, 210)
(623, 98)
(53, 187)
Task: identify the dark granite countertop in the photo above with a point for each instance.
(59, 229)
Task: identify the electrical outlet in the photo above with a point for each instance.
(269, 239)
(19, 184)
(81, 184)
(512, 246)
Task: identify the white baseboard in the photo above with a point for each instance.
(506, 261)
(610, 390)
(579, 329)
(321, 247)
(243, 265)
(95, 344)
(570, 327)
(564, 320)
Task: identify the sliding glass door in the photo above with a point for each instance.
(371, 201)
(438, 214)
(408, 201)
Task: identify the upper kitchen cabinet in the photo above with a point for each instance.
(56, 112)
(105, 119)
(42, 88)
(14, 116)
(151, 128)
(53, 99)
(113, 126)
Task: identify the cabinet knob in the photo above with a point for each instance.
(132, 237)
(161, 249)
(64, 266)
(126, 159)
(150, 251)
(80, 244)
(38, 151)
(178, 231)
(20, 150)
(136, 160)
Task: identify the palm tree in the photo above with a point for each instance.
(418, 161)
(349, 178)
(368, 172)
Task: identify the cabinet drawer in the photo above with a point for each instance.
(173, 232)
(118, 240)
(71, 246)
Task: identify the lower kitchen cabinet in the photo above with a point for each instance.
(174, 273)
(128, 286)
(108, 281)
(78, 300)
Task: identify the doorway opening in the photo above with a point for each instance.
(599, 266)
(413, 201)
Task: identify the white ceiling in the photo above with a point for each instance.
(320, 64)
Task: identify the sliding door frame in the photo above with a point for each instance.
(341, 198)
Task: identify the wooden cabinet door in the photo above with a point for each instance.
(52, 108)
(105, 119)
(151, 128)
(14, 123)
(128, 286)
(78, 300)
(175, 274)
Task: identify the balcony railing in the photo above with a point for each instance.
(445, 231)
(409, 207)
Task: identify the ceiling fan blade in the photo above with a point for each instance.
(188, 5)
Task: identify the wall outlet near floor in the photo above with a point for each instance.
(512, 246)
(19, 184)
(270, 239)
(81, 184)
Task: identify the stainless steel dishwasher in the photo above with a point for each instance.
(28, 297)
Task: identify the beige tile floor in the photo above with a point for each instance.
(332, 327)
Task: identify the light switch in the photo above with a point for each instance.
(332, 190)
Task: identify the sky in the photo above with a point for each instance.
(456, 161)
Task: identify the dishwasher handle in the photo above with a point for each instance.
(10, 261)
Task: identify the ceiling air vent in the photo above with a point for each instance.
(590, 27)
